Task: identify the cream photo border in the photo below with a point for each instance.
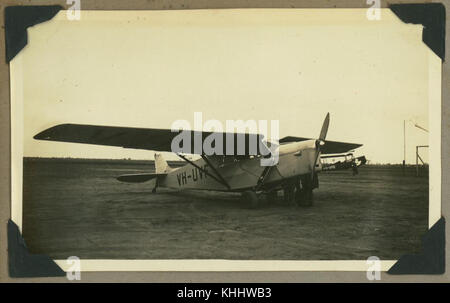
(434, 82)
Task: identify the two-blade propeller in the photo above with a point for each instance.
(320, 142)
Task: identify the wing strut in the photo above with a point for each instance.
(263, 177)
(204, 171)
(222, 180)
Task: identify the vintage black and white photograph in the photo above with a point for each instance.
(237, 134)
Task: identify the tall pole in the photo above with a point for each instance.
(417, 161)
(404, 145)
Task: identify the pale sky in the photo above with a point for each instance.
(149, 68)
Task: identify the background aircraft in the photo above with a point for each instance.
(295, 173)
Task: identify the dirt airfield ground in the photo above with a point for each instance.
(78, 208)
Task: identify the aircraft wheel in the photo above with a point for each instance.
(309, 197)
(271, 197)
(304, 197)
(288, 194)
(299, 196)
(251, 199)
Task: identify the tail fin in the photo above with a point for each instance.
(161, 166)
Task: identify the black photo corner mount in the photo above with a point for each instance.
(22, 264)
(431, 16)
(18, 19)
(431, 260)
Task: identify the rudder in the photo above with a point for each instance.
(161, 166)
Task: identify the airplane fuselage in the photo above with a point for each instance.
(295, 159)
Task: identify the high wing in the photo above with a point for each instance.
(330, 147)
(148, 138)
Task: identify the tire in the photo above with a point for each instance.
(272, 197)
(299, 197)
(309, 198)
(250, 198)
(289, 194)
(304, 197)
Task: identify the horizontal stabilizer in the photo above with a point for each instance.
(330, 147)
(138, 178)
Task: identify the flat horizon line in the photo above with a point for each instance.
(152, 160)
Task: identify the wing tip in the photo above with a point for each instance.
(47, 133)
(42, 135)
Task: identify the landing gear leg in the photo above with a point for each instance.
(251, 199)
(354, 169)
(156, 185)
(304, 196)
(288, 193)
